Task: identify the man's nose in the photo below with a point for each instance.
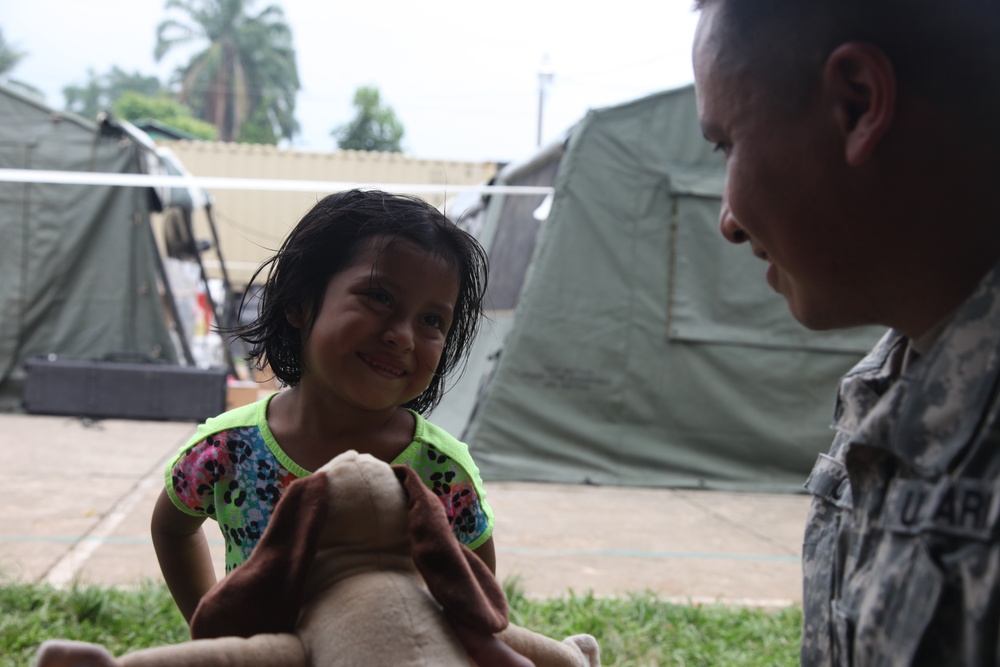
(729, 226)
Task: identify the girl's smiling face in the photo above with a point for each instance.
(381, 328)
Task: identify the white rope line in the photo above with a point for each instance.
(224, 183)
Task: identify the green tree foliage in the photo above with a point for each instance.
(101, 91)
(257, 129)
(246, 70)
(133, 97)
(10, 57)
(132, 106)
(374, 128)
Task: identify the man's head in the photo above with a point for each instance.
(946, 52)
(831, 114)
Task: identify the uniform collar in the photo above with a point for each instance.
(932, 410)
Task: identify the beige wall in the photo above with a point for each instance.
(252, 224)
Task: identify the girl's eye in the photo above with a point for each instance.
(380, 296)
(435, 321)
(722, 147)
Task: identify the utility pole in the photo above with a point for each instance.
(545, 76)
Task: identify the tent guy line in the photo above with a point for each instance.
(223, 183)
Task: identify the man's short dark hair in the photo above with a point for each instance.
(945, 50)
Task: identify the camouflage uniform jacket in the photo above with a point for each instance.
(901, 560)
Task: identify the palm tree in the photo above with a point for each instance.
(246, 71)
(10, 57)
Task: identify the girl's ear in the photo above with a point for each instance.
(296, 316)
(456, 577)
(263, 595)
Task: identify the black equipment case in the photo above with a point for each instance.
(123, 390)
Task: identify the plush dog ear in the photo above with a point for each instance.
(456, 577)
(264, 593)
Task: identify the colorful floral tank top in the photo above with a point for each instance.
(234, 471)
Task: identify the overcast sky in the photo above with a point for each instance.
(462, 76)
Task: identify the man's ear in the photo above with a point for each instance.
(861, 81)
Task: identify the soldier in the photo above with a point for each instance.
(863, 144)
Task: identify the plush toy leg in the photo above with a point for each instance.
(62, 653)
(485, 650)
(269, 650)
(588, 646)
(575, 651)
(266, 650)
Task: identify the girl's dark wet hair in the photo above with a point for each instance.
(325, 242)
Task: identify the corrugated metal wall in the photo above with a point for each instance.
(252, 224)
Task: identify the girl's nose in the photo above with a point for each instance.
(729, 226)
(399, 335)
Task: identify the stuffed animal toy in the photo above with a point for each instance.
(356, 567)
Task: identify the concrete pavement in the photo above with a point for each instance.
(77, 497)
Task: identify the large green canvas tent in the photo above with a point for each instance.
(629, 343)
(78, 263)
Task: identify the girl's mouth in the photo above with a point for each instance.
(382, 367)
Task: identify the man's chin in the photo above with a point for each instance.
(814, 314)
(816, 317)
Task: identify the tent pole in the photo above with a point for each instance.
(169, 295)
(229, 307)
(230, 366)
(168, 292)
(218, 251)
(228, 310)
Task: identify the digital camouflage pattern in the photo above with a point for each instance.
(901, 561)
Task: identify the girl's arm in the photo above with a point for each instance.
(182, 551)
(488, 554)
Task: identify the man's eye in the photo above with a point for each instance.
(722, 147)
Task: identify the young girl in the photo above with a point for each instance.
(369, 304)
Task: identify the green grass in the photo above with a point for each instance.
(121, 619)
(640, 630)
